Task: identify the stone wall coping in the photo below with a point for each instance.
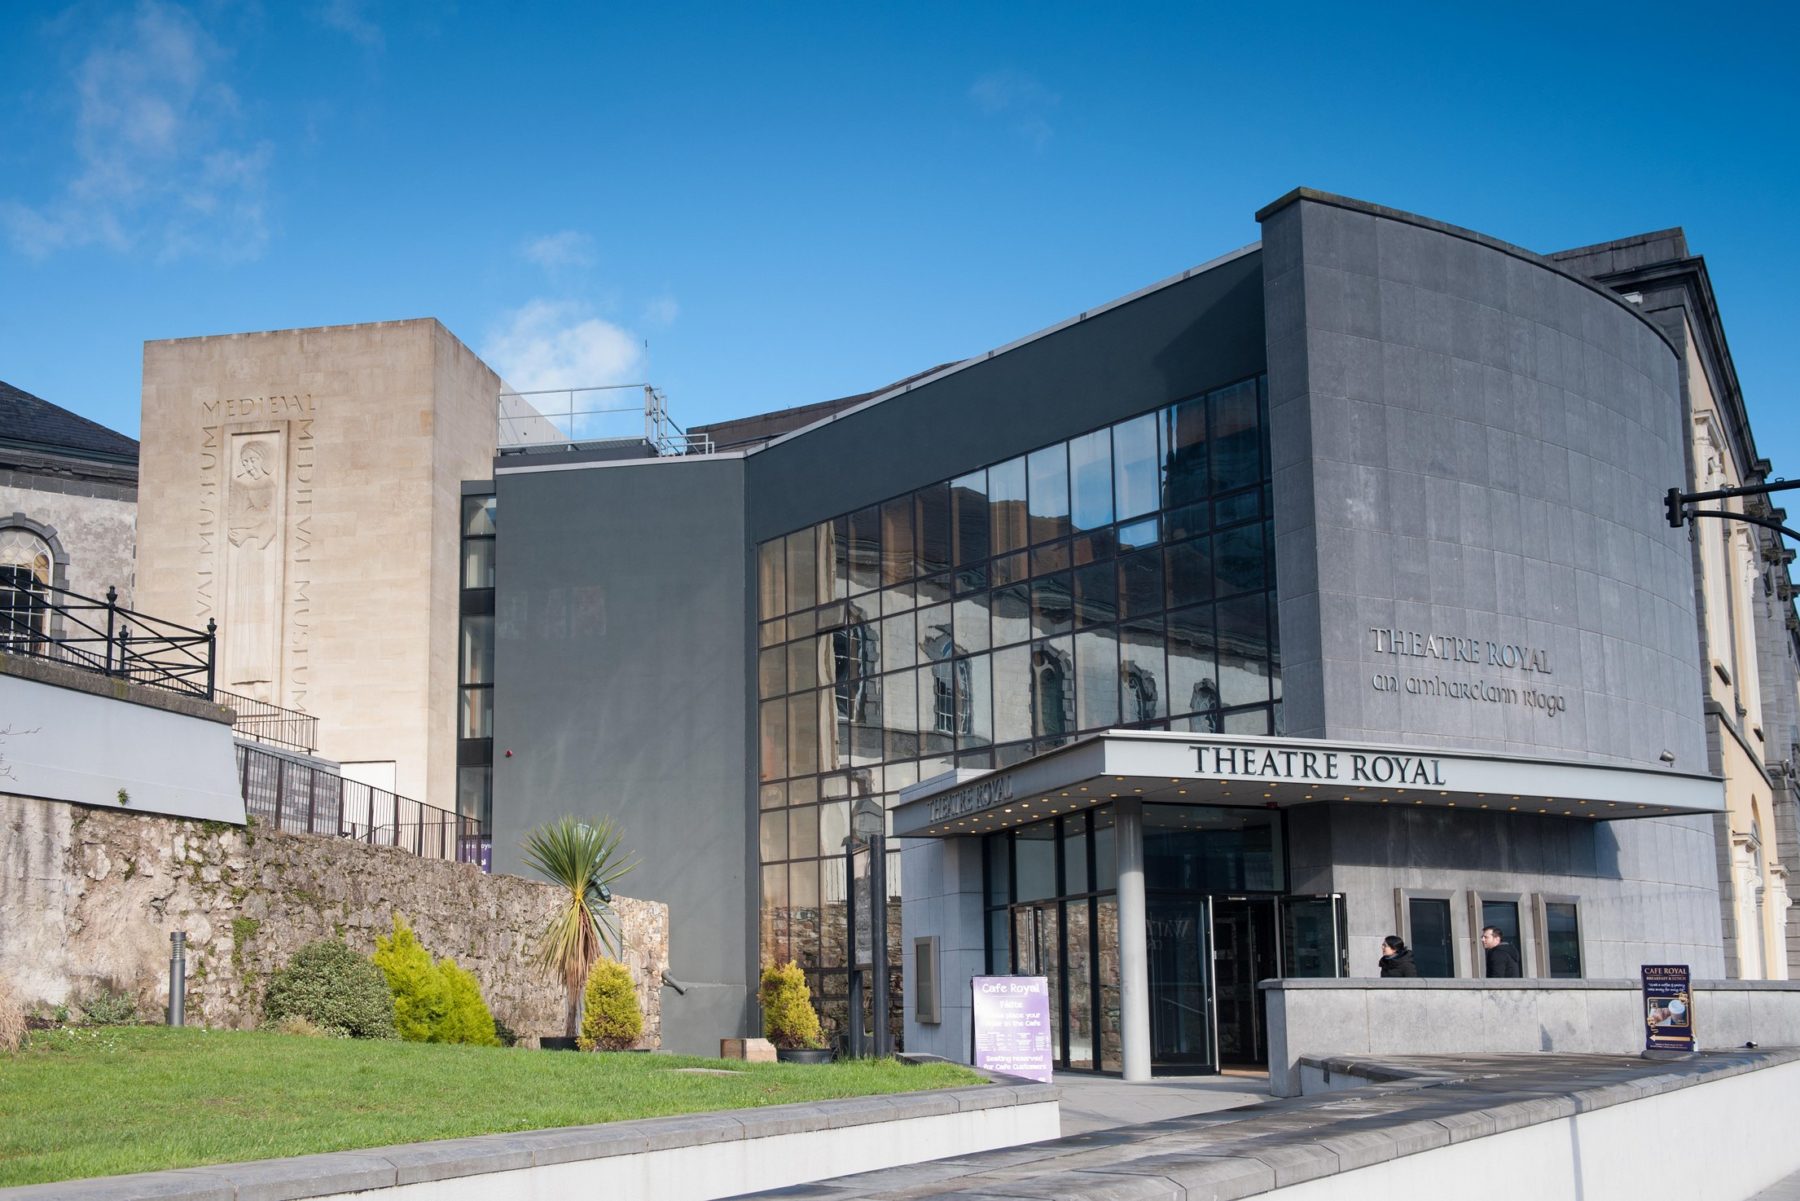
(1526, 985)
(1411, 1104)
(298, 1177)
(61, 675)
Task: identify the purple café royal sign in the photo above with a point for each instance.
(1012, 1025)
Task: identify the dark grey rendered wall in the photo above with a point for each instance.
(1198, 333)
(1471, 441)
(621, 690)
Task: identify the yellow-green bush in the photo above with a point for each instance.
(468, 1019)
(420, 1002)
(789, 1020)
(610, 1020)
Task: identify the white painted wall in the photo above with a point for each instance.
(68, 745)
(1722, 1141)
(731, 1168)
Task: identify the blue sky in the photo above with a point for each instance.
(756, 206)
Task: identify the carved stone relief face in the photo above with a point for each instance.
(253, 461)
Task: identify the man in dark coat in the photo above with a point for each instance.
(1502, 960)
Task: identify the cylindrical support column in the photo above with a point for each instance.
(850, 917)
(1134, 944)
(178, 978)
(878, 927)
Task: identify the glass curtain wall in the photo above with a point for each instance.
(1121, 578)
(475, 667)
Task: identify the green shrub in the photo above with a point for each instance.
(611, 1020)
(506, 1034)
(294, 1024)
(420, 1002)
(789, 1020)
(335, 989)
(110, 1007)
(467, 1019)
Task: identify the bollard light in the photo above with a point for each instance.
(177, 977)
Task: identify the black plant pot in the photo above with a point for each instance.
(557, 1042)
(803, 1055)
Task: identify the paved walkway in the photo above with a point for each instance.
(1419, 1103)
(1092, 1103)
(1781, 1190)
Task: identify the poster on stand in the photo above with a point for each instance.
(1668, 1008)
(1012, 1026)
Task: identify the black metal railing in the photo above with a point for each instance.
(103, 636)
(270, 723)
(302, 799)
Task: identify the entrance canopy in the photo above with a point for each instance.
(1276, 773)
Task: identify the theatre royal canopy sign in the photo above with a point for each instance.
(1211, 769)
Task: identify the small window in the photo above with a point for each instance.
(1562, 939)
(1429, 919)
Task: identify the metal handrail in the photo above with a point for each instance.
(551, 418)
(46, 622)
(271, 723)
(300, 798)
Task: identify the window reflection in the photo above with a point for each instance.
(1090, 480)
(1048, 471)
(1120, 578)
(1006, 506)
(969, 518)
(1137, 475)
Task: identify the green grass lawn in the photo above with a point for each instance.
(97, 1102)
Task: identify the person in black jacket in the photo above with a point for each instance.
(1502, 960)
(1396, 958)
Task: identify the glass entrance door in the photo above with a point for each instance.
(1179, 938)
(1312, 936)
(1037, 943)
(1245, 951)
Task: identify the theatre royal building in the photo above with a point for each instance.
(1319, 593)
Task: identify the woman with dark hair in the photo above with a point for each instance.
(1396, 958)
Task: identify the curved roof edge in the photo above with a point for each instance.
(1468, 235)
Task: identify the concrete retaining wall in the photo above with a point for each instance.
(1729, 1138)
(692, 1158)
(1350, 1017)
(72, 735)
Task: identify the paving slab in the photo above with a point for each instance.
(1240, 1150)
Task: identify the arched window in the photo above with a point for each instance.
(26, 569)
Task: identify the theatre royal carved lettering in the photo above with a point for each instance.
(1462, 651)
(973, 798)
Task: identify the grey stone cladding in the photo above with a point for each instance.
(1470, 445)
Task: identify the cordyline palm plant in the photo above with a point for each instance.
(585, 860)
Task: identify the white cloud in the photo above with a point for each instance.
(156, 162)
(561, 344)
(1019, 99)
(350, 17)
(567, 248)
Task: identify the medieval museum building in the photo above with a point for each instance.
(1319, 593)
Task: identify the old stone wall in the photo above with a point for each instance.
(88, 898)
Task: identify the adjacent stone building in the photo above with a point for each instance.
(302, 489)
(68, 499)
(1748, 633)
